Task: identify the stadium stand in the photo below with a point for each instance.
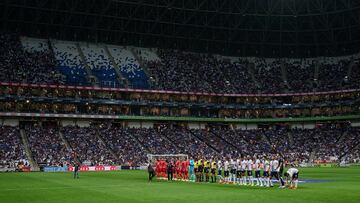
(169, 69)
(86, 146)
(69, 62)
(125, 146)
(42, 61)
(46, 146)
(11, 149)
(100, 65)
(326, 143)
(18, 65)
(129, 66)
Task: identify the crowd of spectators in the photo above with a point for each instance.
(268, 75)
(246, 142)
(11, 147)
(46, 146)
(217, 142)
(323, 143)
(188, 72)
(194, 72)
(18, 65)
(112, 145)
(153, 141)
(184, 71)
(124, 145)
(332, 76)
(87, 147)
(187, 143)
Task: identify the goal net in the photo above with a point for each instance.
(153, 157)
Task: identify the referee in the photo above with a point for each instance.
(170, 171)
(151, 172)
(76, 170)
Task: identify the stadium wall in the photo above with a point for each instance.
(10, 122)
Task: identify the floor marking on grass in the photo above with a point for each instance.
(310, 181)
(108, 186)
(57, 188)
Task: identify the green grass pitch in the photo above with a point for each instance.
(132, 186)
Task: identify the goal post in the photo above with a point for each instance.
(153, 157)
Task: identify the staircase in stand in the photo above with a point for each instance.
(121, 79)
(25, 141)
(142, 64)
(97, 134)
(91, 78)
(139, 143)
(67, 145)
(203, 141)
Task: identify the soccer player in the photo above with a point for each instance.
(192, 169)
(243, 170)
(177, 169)
(257, 167)
(292, 174)
(220, 167)
(273, 172)
(196, 170)
(226, 170)
(201, 170)
(238, 171)
(184, 170)
(266, 173)
(233, 171)
(164, 168)
(158, 167)
(250, 171)
(76, 170)
(275, 168)
(213, 171)
(207, 170)
(281, 169)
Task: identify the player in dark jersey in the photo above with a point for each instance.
(281, 170)
(201, 170)
(207, 170)
(151, 172)
(213, 171)
(76, 170)
(170, 171)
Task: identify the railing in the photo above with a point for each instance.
(69, 87)
(183, 119)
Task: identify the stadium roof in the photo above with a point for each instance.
(271, 28)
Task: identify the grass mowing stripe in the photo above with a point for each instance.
(132, 186)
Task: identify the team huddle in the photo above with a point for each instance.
(251, 171)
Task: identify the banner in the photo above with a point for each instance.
(25, 169)
(96, 168)
(7, 169)
(55, 169)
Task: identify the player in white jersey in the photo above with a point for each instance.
(249, 171)
(238, 171)
(266, 173)
(226, 170)
(243, 170)
(273, 170)
(220, 167)
(292, 174)
(257, 167)
(232, 170)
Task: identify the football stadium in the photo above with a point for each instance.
(179, 101)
